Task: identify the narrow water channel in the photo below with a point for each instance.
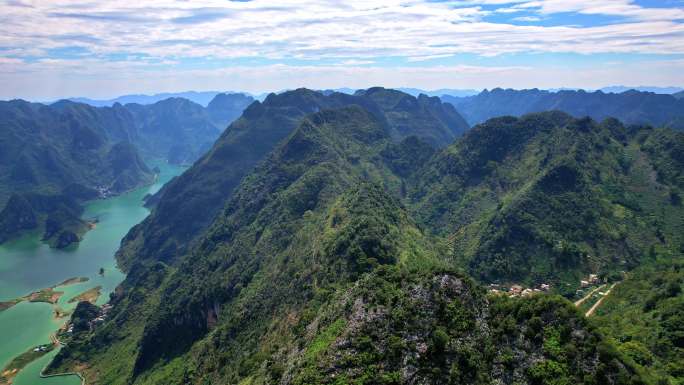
(28, 265)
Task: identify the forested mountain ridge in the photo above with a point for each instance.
(547, 198)
(630, 107)
(174, 129)
(185, 206)
(46, 148)
(330, 259)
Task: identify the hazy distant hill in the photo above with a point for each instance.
(46, 148)
(631, 107)
(440, 92)
(52, 146)
(203, 98)
(180, 130)
(656, 90)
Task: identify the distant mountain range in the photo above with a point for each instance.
(631, 107)
(202, 98)
(440, 92)
(656, 90)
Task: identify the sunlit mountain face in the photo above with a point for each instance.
(361, 192)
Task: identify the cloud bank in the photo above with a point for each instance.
(81, 47)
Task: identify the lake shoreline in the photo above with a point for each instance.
(29, 264)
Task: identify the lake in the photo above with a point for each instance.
(27, 265)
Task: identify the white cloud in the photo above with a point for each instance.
(151, 42)
(624, 8)
(354, 62)
(526, 18)
(316, 29)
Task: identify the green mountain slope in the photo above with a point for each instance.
(58, 215)
(315, 271)
(438, 328)
(186, 206)
(645, 316)
(549, 198)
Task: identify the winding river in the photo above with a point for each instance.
(28, 265)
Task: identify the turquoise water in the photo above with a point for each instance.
(27, 265)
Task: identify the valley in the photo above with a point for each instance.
(27, 265)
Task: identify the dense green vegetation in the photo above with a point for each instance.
(334, 257)
(548, 198)
(57, 216)
(49, 149)
(186, 206)
(645, 317)
(397, 327)
(631, 107)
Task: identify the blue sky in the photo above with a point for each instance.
(59, 48)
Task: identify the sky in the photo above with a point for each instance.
(51, 49)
